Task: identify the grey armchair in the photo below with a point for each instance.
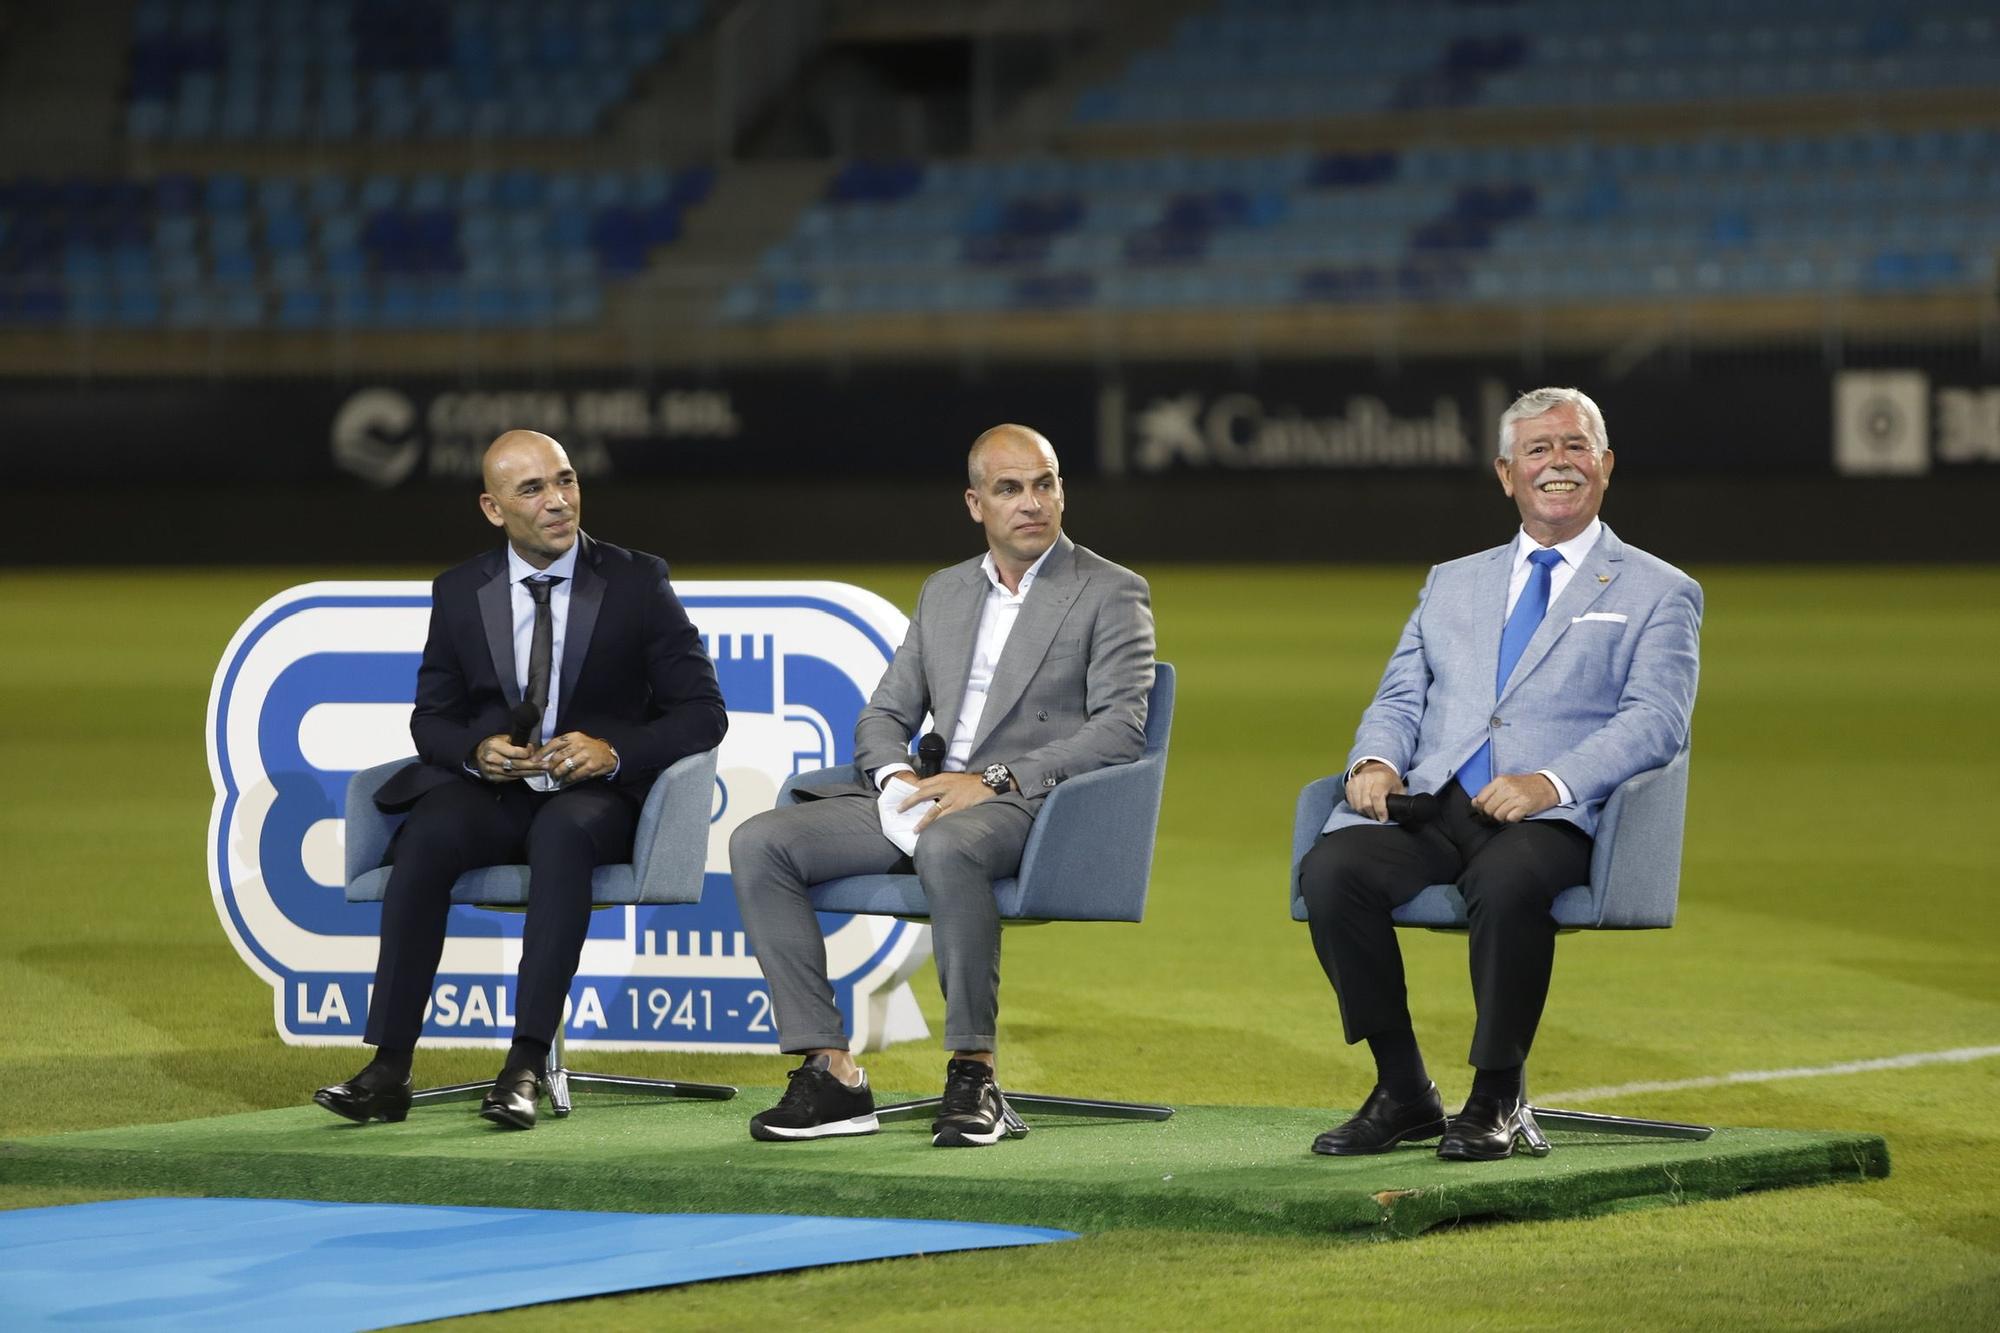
(1634, 884)
(1089, 857)
(669, 849)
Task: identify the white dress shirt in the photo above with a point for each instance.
(522, 605)
(996, 622)
(1572, 552)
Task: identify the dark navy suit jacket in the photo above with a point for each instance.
(634, 671)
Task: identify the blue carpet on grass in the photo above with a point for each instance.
(284, 1263)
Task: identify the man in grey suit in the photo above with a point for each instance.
(1530, 681)
(1034, 661)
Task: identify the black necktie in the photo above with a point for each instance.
(542, 648)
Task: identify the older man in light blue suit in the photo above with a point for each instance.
(1530, 681)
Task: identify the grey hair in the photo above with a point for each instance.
(1537, 401)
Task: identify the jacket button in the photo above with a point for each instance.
(1042, 715)
(1048, 782)
(1493, 721)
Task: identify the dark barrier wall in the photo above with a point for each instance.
(1772, 456)
(1360, 519)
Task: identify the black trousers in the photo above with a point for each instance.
(1509, 874)
(561, 835)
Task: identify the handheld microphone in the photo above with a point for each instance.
(521, 722)
(930, 755)
(1412, 808)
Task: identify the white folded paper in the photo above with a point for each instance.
(900, 826)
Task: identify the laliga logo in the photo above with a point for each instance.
(317, 685)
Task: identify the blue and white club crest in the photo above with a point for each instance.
(317, 684)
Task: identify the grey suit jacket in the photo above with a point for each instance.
(1604, 690)
(1068, 695)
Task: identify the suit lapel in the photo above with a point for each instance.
(1592, 577)
(496, 614)
(957, 633)
(1035, 625)
(1490, 605)
(586, 595)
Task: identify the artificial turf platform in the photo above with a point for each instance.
(1210, 1168)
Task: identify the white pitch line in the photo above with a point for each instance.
(1963, 1055)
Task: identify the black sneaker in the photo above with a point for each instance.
(817, 1106)
(973, 1115)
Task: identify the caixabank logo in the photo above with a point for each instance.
(317, 685)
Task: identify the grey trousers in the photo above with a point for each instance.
(776, 855)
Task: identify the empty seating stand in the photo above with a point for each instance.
(493, 250)
(1567, 220)
(1291, 60)
(390, 70)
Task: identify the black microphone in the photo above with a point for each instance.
(1412, 808)
(930, 755)
(521, 722)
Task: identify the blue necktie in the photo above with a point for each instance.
(1521, 626)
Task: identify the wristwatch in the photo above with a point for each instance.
(997, 777)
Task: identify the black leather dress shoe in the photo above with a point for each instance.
(369, 1095)
(1382, 1123)
(512, 1100)
(1483, 1132)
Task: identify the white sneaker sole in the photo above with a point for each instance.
(953, 1137)
(861, 1124)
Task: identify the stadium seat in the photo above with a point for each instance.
(669, 851)
(1089, 858)
(1635, 870)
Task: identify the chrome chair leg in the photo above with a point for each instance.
(559, 1083)
(1531, 1133)
(1090, 1108)
(1588, 1122)
(1080, 1107)
(1536, 1119)
(560, 1079)
(555, 1079)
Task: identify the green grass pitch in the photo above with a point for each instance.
(1839, 904)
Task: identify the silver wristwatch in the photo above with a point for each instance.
(997, 777)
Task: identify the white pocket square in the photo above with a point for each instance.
(1615, 617)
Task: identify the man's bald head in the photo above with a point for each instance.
(532, 493)
(975, 459)
(513, 447)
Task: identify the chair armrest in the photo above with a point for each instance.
(367, 830)
(814, 779)
(670, 845)
(1089, 856)
(1635, 868)
(1316, 802)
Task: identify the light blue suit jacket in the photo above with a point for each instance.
(1604, 690)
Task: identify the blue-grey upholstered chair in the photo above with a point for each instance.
(669, 850)
(1635, 874)
(1089, 857)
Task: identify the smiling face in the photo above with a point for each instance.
(1553, 475)
(531, 493)
(1016, 495)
